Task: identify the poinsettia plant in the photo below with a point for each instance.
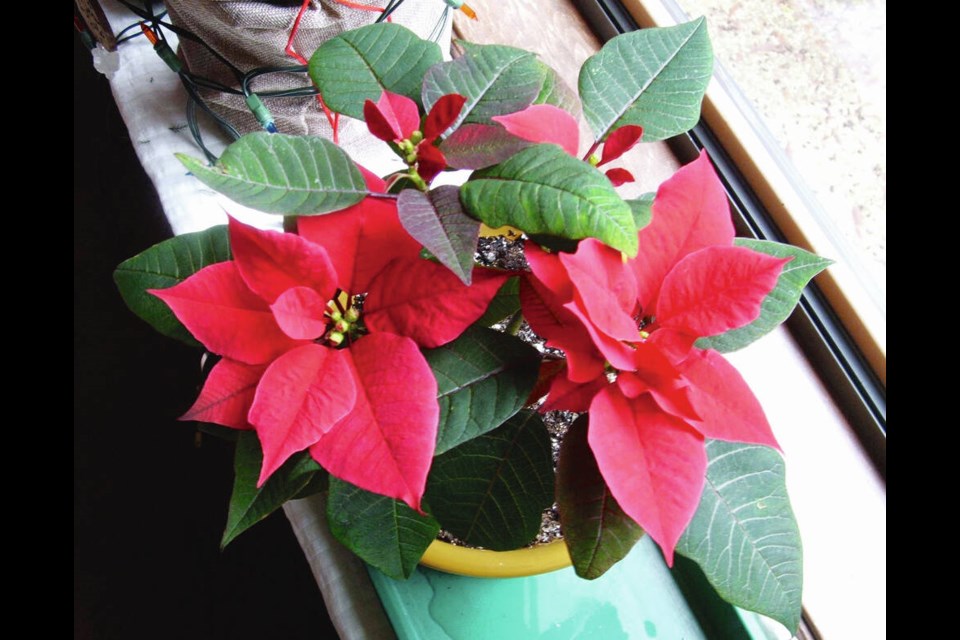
(365, 352)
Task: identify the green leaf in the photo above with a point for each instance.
(543, 190)
(779, 303)
(495, 80)
(492, 490)
(400, 183)
(248, 504)
(383, 532)
(597, 532)
(483, 378)
(505, 303)
(555, 243)
(744, 535)
(359, 65)
(654, 78)
(478, 146)
(164, 265)
(276, 173)
(642, 209)
(319, 483)
(556, 92)
(219, 431)
(437, 221)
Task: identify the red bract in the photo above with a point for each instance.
(396, 118)
(629, 328)
(392, 118)
(619, 142)
(308, 364)
(545, 123)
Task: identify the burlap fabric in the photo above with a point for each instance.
(254, 34)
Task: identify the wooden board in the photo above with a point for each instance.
(96, 23)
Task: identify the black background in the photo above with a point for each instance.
(150, 500)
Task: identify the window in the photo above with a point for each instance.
(854, 287)
(839, 500)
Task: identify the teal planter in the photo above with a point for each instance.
(636, 599)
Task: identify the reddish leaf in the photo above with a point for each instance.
(426, 301)
(477, 146)
(676, 345)
(728, 407)
(545, 314)
(566, 395)
(617, 353)
(550, 369)
(430, 161)
(378, 124)
(442, 114)
(227, 395)
(655, 374)
(216, 306)
(690, 212)
(619, 142)
(437, 221)
(361, 239)
(717, 289)
(550, 272)
(654, 463)
(385, 444)
(605, 288)
(393, 117)
(299, 312)
(302, 394)
(374, 182)
(271, 262)
(595, 529)
(547, 301)
(619, 176)
(543, 123)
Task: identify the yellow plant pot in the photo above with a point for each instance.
(481, 563)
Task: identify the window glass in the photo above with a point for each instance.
(815, 73)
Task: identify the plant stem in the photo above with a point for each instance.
(590, 151)
(513, 328)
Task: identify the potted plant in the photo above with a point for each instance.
(372, 353)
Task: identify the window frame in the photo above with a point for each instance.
(834, 337)
(835, 340)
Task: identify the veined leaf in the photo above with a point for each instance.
(276, 173)
(478, 146)
(248, 504)
(779, 303)
(556, 92)
(597, 532)
(359, 65)
(384, 532)
(437, 221)
(319, 483)
(495, 80)
(505, 303)
(543, 190)
(642, 209)
(164, 265)
(483, 378)
(492, 490)
(654, 78)
(744, 535)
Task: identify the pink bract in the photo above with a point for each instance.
(629, 328)
(365, 404)
(395, 118)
